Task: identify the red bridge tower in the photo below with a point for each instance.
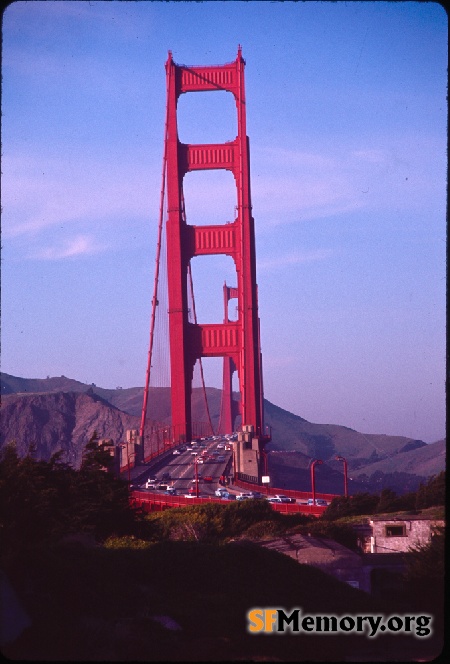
(237, 340)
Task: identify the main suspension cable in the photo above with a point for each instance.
(156, 280)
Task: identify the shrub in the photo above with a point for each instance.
(211, 522)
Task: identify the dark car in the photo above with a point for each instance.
(165, 476)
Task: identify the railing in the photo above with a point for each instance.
(290, 493)
(158, 440)
(158, 503)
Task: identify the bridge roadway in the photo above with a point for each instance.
(181, 470)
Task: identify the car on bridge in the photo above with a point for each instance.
(244, 496)
(319, 502)
(218, 492)
(192, 491)
(256, 495)
(225, 495)
(280, 498)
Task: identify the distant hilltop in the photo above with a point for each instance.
(59, 413)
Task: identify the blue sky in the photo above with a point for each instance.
(346, 114)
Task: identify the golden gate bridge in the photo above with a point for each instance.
(178, 341)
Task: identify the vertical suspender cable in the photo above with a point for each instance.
(194, 313)
(155, 284)
(200, 359)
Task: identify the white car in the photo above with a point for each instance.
(194, 453)
(244, 496)
(218, 492)
(284, 499)
(225, 495)
(176, 452)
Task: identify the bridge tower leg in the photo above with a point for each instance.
(237, 340)
(228, 406)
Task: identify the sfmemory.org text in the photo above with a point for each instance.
(276, 620)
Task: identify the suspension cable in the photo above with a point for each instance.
(156, 280)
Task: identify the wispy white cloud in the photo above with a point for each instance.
(79, 245)
(291, 186)
(40, 194)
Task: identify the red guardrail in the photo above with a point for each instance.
(158, 503)
(290, 493)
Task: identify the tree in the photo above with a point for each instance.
(96, 455)
(432, 493)
(42, 501)
(360, 503)
(425, 575)
(34, 498)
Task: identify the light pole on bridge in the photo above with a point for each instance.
(341, 458)
(129, 457)
(313, 483)
(196, 477)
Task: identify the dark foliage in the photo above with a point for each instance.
(338, 532)
(360, 503)
(214, 523)
(43, 501)
(432, 492)
(428, 495)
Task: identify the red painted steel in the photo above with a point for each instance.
(189, 342)
(226, 420)
(158, 503)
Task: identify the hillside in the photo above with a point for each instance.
(61, 413)
(60, 421)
